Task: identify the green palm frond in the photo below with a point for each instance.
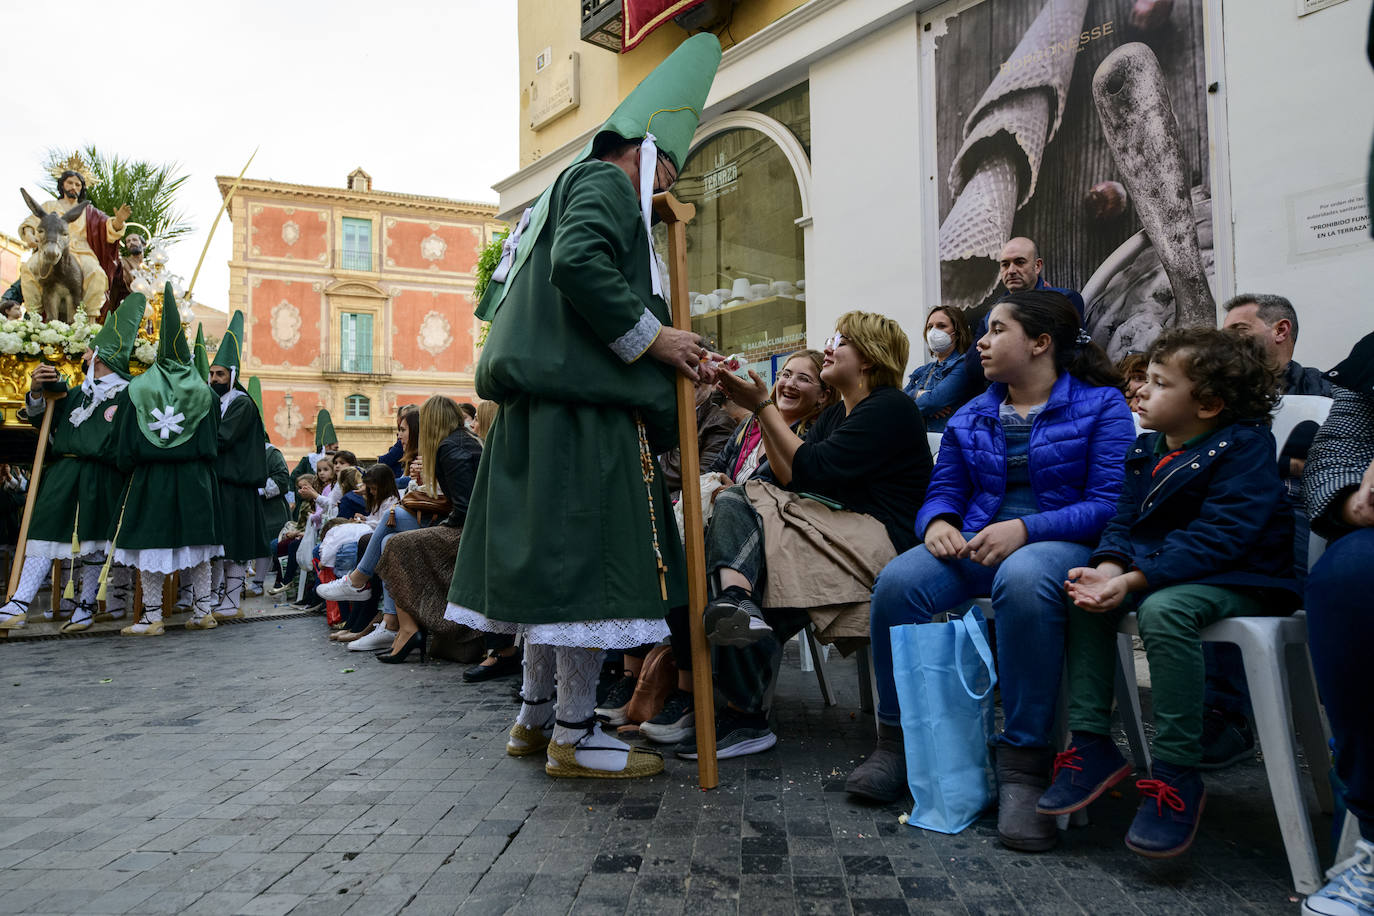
(148, 188)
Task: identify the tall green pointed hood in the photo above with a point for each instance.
(200, 356)
(171, 399)
(255, 392)
(324, 431)
(114, 342)
(230, 352)
(666, 104)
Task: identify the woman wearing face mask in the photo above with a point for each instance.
(944, 384)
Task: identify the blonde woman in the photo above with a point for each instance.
(807, 545)
(416, 565)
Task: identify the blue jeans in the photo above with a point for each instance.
(1027, 591)
(1340, 630)
(404, 522)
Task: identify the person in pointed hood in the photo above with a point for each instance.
(168, 445)
(241, 468)
(276, 512)
(199, 354)
(564, 472)
(326, 443)
(79, 495)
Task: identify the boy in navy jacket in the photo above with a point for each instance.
(1203, 532)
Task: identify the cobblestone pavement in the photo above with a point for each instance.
(257, 768)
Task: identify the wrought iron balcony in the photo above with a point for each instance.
(603, 23)
(361, 366)
(353, 259)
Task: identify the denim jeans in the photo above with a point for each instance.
(1340, 630)
(383, 532)
(1027, 591)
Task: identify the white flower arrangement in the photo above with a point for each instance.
(31, 337)
(146, 352)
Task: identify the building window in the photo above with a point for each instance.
(357, 244)
(355, 342)
(357, 407)
(745, 266)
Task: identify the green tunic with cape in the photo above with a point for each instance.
(559, 528)
(82, 486)
(242, 469)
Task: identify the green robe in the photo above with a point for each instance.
(241, 468)
(82, 487)
(173, 494)
(302, 467)
(558, 529)
(275, 510)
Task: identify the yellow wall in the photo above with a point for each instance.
(605, 78)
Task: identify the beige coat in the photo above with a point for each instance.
(819, 559)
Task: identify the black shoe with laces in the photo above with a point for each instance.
(737, 734)
(611, 710)
(733, 619)
(675, 722)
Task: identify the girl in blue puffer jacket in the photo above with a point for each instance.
(1027, 477)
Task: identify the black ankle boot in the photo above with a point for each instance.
(882, 777)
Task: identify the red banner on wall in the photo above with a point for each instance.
(643, 16)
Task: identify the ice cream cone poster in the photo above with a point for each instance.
(1082, 125)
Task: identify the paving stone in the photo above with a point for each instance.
(295, 788)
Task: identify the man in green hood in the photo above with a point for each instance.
(241, 468)
(81, 490)
(569, 534)
(168, 443)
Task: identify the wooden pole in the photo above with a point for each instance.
(49, 398)
(676, 215)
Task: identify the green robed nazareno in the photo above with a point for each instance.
(570, 532)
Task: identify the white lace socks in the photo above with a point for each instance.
(232, 594)
(537, 686)
(152, 595)
(31, 579)
(578, 673)
(118, 591)
(195, 585)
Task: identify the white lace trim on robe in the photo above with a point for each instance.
(591, 634)
(167, 560)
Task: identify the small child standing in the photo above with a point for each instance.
(1204, 531)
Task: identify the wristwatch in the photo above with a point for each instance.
(758, 410)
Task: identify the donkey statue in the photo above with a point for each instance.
(54, 267)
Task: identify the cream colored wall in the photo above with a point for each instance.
(605, 78)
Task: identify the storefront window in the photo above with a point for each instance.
(744, 250)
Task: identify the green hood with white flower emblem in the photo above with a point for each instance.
(170, 398)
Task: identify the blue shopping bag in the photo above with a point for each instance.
(945, 676)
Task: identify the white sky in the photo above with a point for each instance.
(423, 95)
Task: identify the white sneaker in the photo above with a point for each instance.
(379, 638)
(342, 590)
(254, 590)
(1350, 890)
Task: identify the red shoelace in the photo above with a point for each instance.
(1069, 759)
(1162, 793)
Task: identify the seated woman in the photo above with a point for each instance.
(944, 384)
(1028, 476)
(402, 452)
(856, 480)
(417, 565)
(800, 396)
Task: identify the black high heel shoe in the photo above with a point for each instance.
(395, 658)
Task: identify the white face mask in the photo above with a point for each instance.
(938, 340)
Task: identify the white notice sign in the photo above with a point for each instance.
(1327, 219)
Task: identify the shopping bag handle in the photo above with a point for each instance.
(967, 628)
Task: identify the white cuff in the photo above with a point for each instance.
(631, 345)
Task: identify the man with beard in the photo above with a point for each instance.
(94, 242)
(241, 468)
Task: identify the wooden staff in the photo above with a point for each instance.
(676, 215)
(49, 398)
